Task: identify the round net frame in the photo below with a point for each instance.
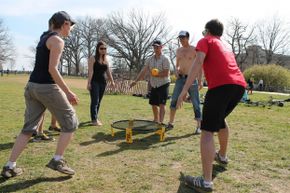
(137, 125)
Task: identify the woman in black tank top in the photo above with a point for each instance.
(98, 66)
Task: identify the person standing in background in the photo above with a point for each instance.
(251, 84)
(261, 85)
(184, 60)
(98, 66)
(158, 67)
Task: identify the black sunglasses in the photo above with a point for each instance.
(103, 48)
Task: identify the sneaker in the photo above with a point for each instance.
(220, 160)
(54, 129)
(8, 173)
(197, 183)
(169, 126)
(42, 137)
(197, 131)
(60, 166)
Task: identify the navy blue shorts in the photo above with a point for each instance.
(159, 95)
(218, 104)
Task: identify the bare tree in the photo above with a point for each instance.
(7, 49)
(80, 45)
(73, 51)
(171, 52)
(274, 36)
(120, 69)
(92, 30)
(31, 55)
(131, 36)
(239, 36)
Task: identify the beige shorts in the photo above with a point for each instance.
(38, 98)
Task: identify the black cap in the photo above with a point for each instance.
(62, 16)
(156, 43)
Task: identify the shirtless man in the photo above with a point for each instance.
(184, 60)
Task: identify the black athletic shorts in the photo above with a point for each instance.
(218, 104)
(159, 95)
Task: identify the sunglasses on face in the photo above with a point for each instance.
(156, 47)
(103, 48)
(204, 32)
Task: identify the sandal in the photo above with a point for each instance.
(54, 129)
(169, 126)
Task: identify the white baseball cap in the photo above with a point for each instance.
(183, 34)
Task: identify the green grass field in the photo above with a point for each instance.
(259, 148)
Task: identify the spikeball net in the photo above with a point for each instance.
(138, 125)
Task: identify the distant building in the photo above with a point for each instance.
(257, 55)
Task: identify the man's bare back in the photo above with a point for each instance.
(185, 57)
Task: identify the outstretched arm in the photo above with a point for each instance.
(140, 76)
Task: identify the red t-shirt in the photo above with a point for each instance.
(220, 66)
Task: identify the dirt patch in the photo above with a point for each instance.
(76, 83)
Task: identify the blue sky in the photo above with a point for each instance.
(27, 19)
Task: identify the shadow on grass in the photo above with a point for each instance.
(138, 143)
(20, 186)
(5, 146)
(217, 169)
(85, 124)
(104, 137)
(183, 188)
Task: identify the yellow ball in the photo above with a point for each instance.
(154, 71)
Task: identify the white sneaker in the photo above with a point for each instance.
(197, 131)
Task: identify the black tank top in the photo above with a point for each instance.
(40, 72)
(99, 72)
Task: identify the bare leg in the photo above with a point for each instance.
(63, 142)
(155, 113)
(19, 146)
(172, 115)
(40, 125)
(161, 112)
(207, 150)
(223, 136)
(53, 121)
(198, 123)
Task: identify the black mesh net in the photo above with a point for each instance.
(137, 125)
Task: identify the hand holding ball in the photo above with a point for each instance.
(154, 72)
